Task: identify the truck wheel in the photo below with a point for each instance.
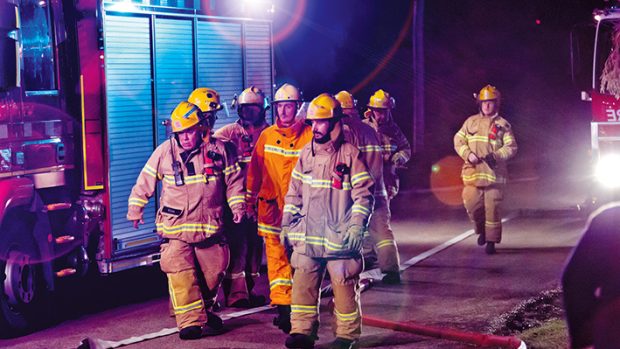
(24, 297)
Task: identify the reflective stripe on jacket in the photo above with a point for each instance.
(484, 135)
(331, 189)
(193, 211)
(269, 173)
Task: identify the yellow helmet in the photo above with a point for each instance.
(324, 106)
(488, 93)
(251, 95)
(206, 99)
(346, 99)
(184, 116)
(381, 100)
(287, 93)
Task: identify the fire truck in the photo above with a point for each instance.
(601, 42)
(85, 88)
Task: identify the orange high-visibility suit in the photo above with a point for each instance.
(273, 159)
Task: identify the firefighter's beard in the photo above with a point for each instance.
(321, 138)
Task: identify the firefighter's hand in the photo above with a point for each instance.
(399, 160)
(490, 160)
(237, 217)
(284, 237)
(472, 158)
(137, 222)
(250, 212)
(353, 238)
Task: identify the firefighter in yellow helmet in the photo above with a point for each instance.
(485, 142)
(246, 246)
(269, 173)
(198, 175)
(326, 211)
(396, 153)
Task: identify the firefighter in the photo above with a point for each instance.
(199, 174)
(365, 138)
(396, 153)
(326, 211)
(269, 174)
(485, 142)
(246, 247)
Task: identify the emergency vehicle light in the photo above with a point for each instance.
(608, 171)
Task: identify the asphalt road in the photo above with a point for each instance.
(459, 287)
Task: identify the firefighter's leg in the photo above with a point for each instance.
(253, 261)
(213, 259)
(473, 200)
(309, 273)
(344, 275)
(235, 288)
(177, 261)
(279, 271)
(383, 237)
(493, 220)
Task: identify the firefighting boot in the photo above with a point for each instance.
(298, 340)
(283, 320)
(191, 332)
(257, 300)
(490, 248)
(391, 278)
(342, 343)
(213, 326)
(481, 240)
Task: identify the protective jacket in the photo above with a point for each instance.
(331, 189)
(484, 136)
(269, 173)
(243, 137)
(193, 211)
(366, 140)
(393, 143)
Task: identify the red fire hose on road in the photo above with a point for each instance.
(480, 339)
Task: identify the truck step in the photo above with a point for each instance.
(57, 206)
(65, 272)
(64, 239)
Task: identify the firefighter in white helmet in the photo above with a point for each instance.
(396, 153)
(485, 142)
(269, 174)
(326, 211)
(198, 175)
(246, 247)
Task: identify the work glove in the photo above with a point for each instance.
(490, 160)
(353, 238)
(472, 158)
(284, 237)
(399, 159)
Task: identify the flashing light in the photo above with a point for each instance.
(608, 171)
(538, 22)
(597, 18)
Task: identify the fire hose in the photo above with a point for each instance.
(479, 339)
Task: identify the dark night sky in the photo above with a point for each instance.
(467, 44)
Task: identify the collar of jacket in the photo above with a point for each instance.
(292, 131)
(328, 147)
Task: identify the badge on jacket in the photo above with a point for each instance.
(338, 176)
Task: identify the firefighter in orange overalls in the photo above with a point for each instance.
(269, 173)
(198, 176)
(246, 247)
(485, 142)
(325, 214)
(396, 153)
